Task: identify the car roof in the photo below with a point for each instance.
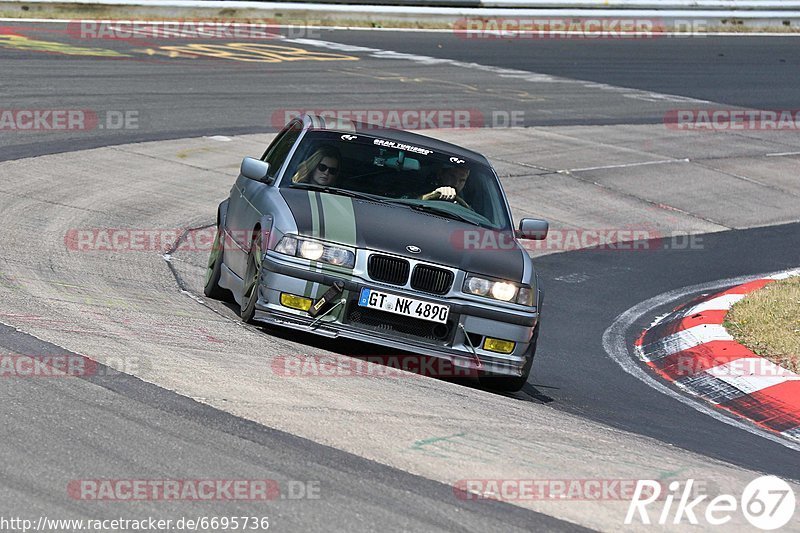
(402, 136)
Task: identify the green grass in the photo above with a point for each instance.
(768, 322)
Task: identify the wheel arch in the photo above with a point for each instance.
(222, 213)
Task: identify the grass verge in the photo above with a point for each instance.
(768, 322)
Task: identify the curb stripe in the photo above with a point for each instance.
(748, 287)
(691, 348)
(747, 382)
(787, 393)
(718, 303)
(680, 323)
(766, 411)
(685, 339)
(710, 388)
(694, 301)
(689, 362)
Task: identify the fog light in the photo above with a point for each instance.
(296, 302)
(498, 345)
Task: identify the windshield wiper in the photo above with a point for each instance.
(439, 211)
(335, 190)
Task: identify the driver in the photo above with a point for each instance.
(451, 182)
(321, 168)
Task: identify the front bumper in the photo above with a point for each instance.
(348, 320)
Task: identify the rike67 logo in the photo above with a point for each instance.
(768, 503)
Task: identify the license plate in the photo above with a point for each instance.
(401, 305)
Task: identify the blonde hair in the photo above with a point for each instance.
(306, 168)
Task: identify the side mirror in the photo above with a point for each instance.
(255, 169)
(533, 228)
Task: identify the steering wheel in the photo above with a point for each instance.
(460, 201)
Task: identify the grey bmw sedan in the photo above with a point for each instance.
(351, 230)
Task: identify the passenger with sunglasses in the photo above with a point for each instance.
(321, 168)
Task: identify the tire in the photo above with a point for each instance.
(252, 277)
(214, 269)
(512, 383)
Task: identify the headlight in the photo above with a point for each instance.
(337, 256)
(478, 286)
(504, 291)
(311, 250)
(314, 250)
(525, 296)
(287, 246)
(499, 290)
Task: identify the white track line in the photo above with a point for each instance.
(628, 165)
(501, 72)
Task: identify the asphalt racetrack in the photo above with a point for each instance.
(594, 147)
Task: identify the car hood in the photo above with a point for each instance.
(392, 228)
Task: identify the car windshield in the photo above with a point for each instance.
(380, 169)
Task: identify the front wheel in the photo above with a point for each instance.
(512, 383)
(214, 269)
(251, 280)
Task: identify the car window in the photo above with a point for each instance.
(277, 153)
(398, 173)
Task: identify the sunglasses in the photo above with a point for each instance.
(325, 168)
